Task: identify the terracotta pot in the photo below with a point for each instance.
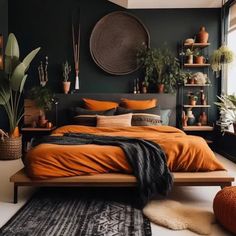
(202, 36)
(66, 87)
(15, 133)
(193, 102)
(203, 118)
(42, 122)
(160, 88)
(200, 60)
(191, 81)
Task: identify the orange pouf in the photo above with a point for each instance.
(225, 208)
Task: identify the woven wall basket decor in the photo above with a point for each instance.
(115, 40)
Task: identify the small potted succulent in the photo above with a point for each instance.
(198, 57)
(192, 99)
(66, 72)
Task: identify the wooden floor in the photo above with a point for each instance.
(214, 178)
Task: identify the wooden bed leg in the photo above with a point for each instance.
(15, 193)
(226, 185)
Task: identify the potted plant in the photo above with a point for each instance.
(168, 70)
(192, 99)
(66, 71)
(11, 88)
(187, 77)
(161, 67)
(220, 57)
(189, 54)
(146, 62)
(227, 106)
(198, 56)
(43, 98)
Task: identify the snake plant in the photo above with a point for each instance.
(13, 79)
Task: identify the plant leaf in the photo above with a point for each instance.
(12, 47)
(23, 83)
(28, 59)
(17, 77)
(4, 91)
(10, 64)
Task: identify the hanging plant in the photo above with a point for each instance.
(221, 57)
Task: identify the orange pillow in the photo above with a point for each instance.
(96, 105)
(138, 104)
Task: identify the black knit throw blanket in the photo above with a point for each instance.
(146, 158)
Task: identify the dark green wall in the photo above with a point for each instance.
(48, 24)
(4, 32)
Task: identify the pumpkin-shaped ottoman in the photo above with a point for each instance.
(225, 208)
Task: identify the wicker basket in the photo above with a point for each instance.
(11, 148)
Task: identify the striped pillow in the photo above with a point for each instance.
(114, 121)
(142, 119)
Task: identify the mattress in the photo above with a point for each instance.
(184, 153)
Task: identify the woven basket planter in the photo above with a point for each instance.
(11, 148)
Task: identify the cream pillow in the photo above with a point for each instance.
(114, 121)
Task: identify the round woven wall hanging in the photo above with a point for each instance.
(115, 40)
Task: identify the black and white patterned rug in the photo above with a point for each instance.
(79, 212)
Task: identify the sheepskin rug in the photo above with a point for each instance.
(176, 216)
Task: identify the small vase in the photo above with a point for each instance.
(202, 36)
(160, 88)
(191, 118)
(191, 81)
(203, 118)
(42, 122)
(193, 102)
(190, 59)
(184, 119)
(144, 89)
(66, 87)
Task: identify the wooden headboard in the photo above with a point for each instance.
(67, 101)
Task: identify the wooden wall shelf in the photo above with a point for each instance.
(197, 45)
(197, 106)
(198, 128)
(196, 65)
(197, 85)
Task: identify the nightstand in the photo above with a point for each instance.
(29, 133)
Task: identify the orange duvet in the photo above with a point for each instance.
(184, 153)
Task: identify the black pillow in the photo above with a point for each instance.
(82, 111)
(86, 120)
(154, 111)
(82, 116)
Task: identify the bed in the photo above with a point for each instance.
(167, 101)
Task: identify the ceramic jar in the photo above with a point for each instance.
(191, 117)
(202, 36)
(203, 118)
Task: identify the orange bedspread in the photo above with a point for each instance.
(184, 153)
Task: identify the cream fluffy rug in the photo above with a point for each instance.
(177, 216)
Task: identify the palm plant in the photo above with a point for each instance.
(13, 80)
(227, 106)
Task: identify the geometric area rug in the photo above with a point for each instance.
(72, 212)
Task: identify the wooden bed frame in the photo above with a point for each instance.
(166, 101)
(214, 178)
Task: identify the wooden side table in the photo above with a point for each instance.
(29, 133)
